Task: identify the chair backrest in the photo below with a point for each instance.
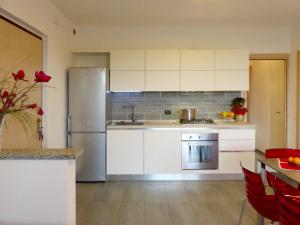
(264, 204)
(289, 210)
(254, 184)
(289, 206)
(281, 186)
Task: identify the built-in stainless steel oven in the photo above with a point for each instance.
(199, 151)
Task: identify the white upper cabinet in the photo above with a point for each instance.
(162, 59)
(127, 59)
(127, 80)
(162, 81)
(197, 59)
(179, 70)
(232, 59)
(232, 80)
(197, 80)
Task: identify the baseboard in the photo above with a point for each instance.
(173, 177)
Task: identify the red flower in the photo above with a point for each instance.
(40, 76)
(4, 94)
(239, 110)
(20, 75)
(40, 112)
(32, 106)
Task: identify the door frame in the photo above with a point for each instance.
(35, 32)
(298, 100)
(284, 57)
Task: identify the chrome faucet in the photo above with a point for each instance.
(131, 106)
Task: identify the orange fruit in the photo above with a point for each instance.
(296, 161)
(290, 160)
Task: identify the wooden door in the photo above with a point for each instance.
(20, 49)
(267, 102)
(277, 103)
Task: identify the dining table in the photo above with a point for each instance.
(291, 177)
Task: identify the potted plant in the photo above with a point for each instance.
(14, 100)
(238, 108)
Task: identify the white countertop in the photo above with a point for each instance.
(158, 124)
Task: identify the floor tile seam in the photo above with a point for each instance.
(169, 207)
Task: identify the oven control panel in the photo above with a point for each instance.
(199, 137)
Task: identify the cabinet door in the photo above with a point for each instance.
(162, 81)
(127, 80)
(127, 59)
(237, 145)
(236, 134)
(197, 80)
(125, 152)
(232, 80)
(162, 149)
(230, 59)
(229, 162)
(163, 59)
(196, 59)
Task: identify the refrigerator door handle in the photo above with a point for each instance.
(69, 123)
(69, 140)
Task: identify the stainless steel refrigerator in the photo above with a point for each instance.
(88, 115)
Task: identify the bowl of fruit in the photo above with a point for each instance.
(294, 161)
(227, 115)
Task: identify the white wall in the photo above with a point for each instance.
(41, 15)
(257, 40)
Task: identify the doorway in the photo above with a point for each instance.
(20, 49)
(267, 102)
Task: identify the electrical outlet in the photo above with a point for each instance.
(168, 112)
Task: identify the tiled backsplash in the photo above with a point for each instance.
(152, 105)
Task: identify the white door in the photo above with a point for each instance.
(127, 80)
(267, 101)
(127, 59)
(232, 80)
(162, 151)
(197, 59)
(162, 81)
(125, 152)
(197, 80)
(162, 59)
(232, 59)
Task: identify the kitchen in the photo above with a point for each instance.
(154, 73)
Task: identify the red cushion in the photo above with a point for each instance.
(282, 153)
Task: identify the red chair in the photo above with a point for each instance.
(289, 205)
(264, 204)
(277, 183)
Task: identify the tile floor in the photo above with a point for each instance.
(162, 203)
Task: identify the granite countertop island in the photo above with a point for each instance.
(41, 154)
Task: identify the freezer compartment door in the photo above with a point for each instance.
(91, 165)
(87, 99)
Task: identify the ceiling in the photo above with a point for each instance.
(181, 12)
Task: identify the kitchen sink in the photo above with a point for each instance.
(129, 123)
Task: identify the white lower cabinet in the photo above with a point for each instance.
(162, 151)
(229, 162)
(125, 152)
